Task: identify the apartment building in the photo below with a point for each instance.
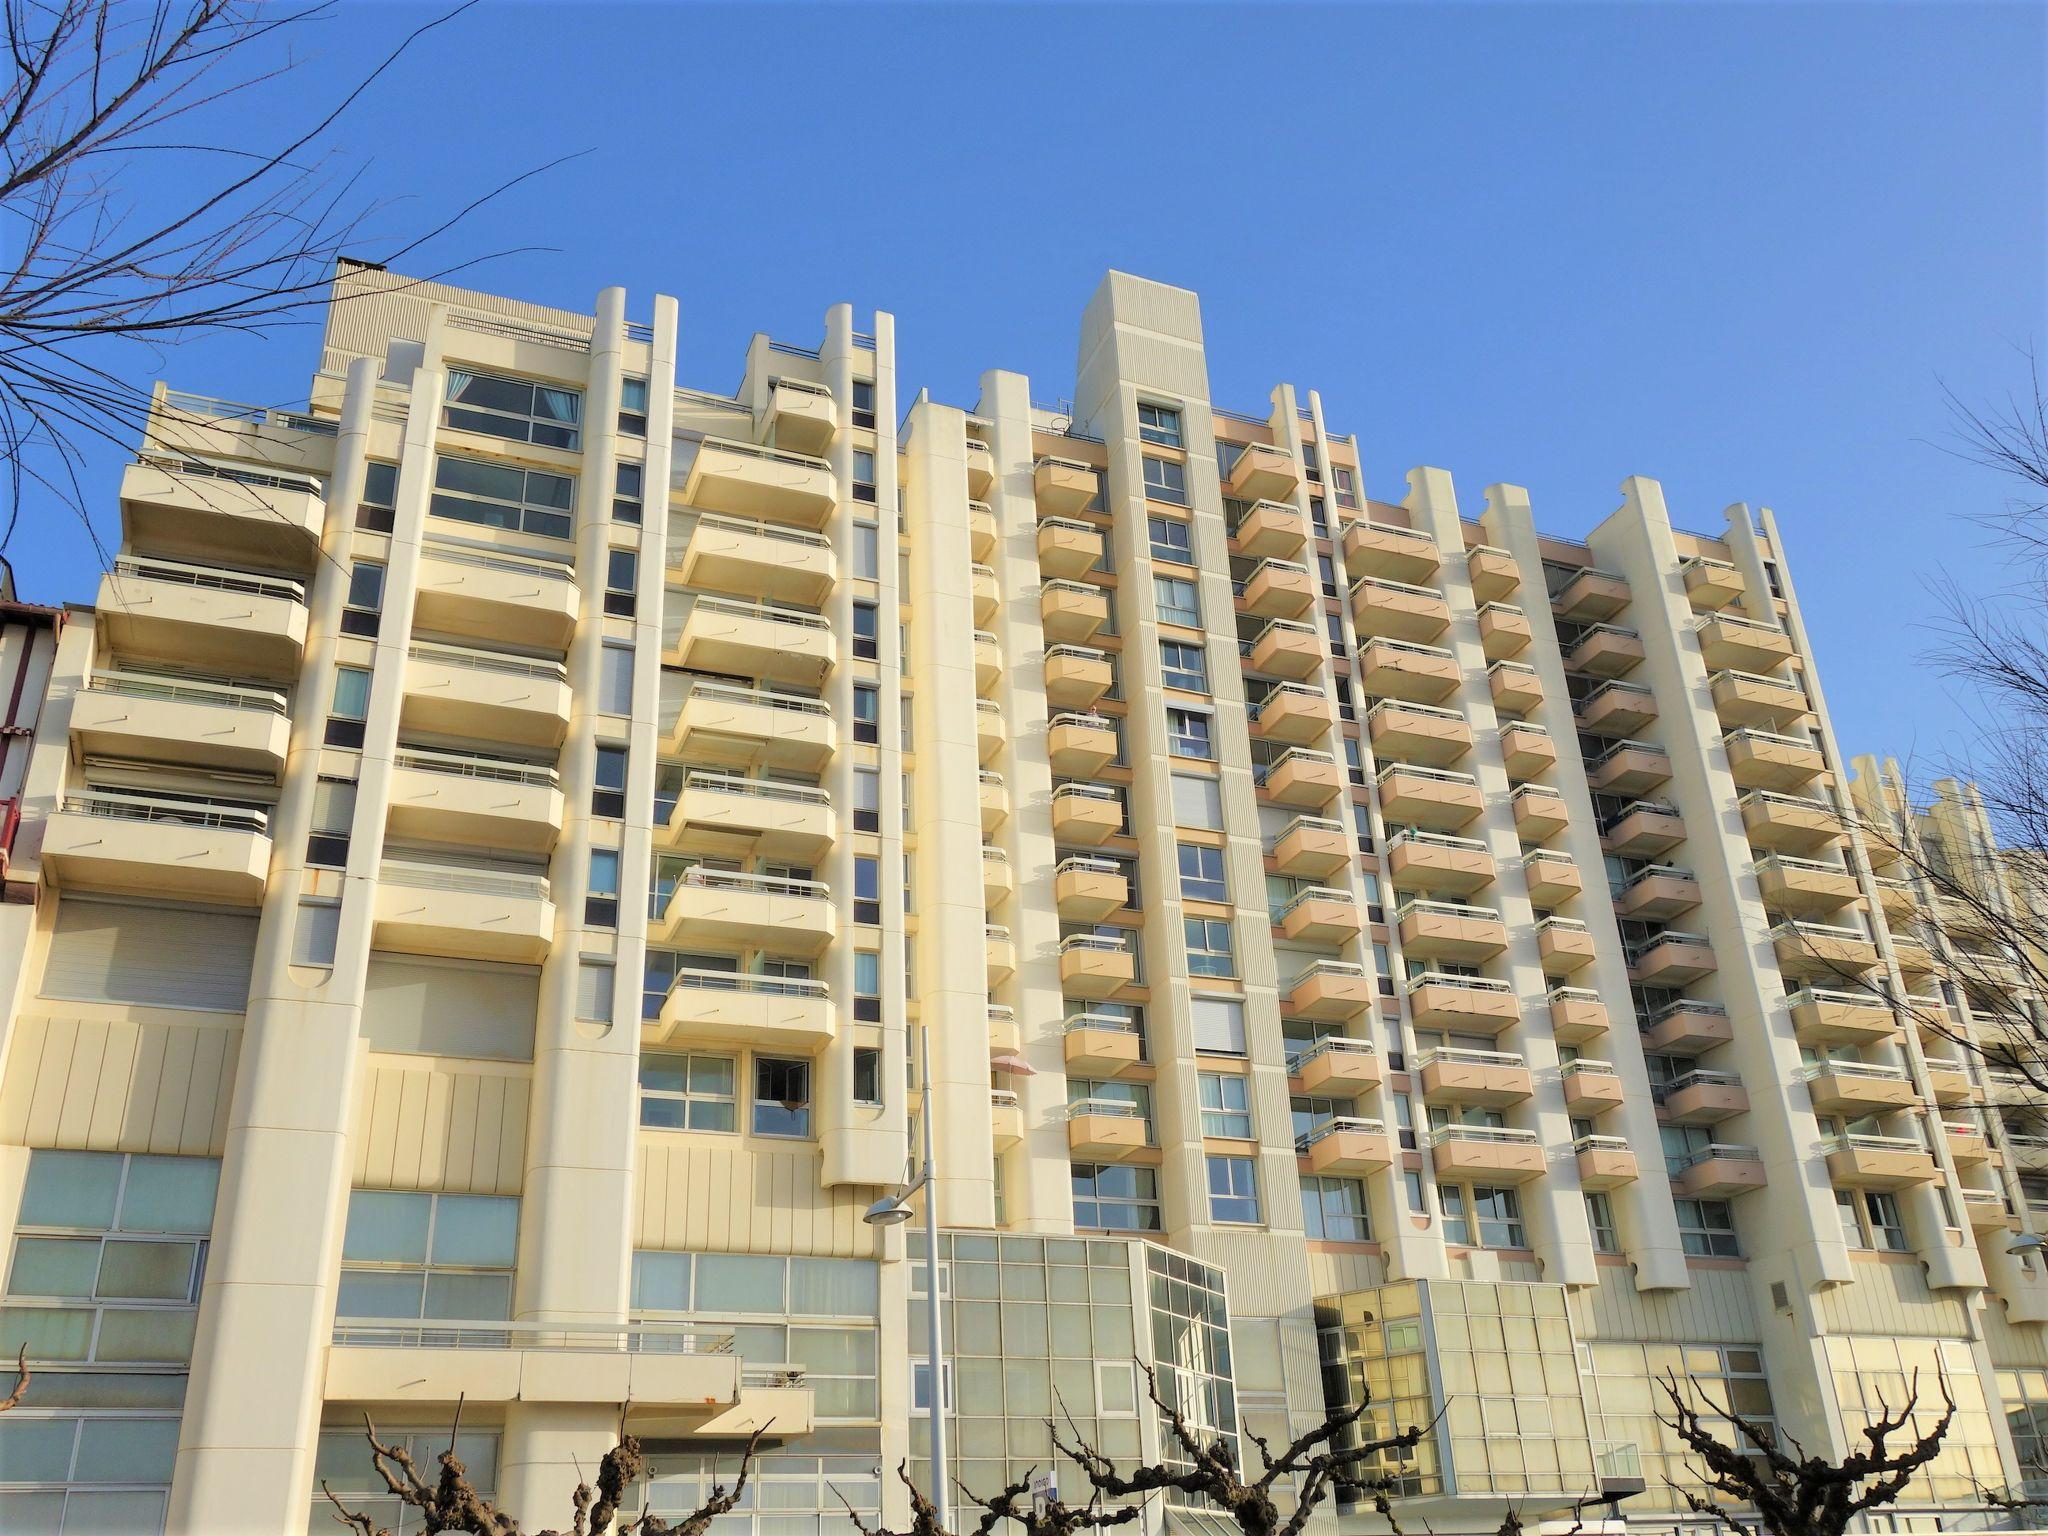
(518, 845)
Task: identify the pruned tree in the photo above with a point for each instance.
(1786, 1491)
(22, 1377)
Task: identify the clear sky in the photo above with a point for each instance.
(1738, 248)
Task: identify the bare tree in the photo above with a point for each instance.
(22, 1377)
(1788, 1492)
(131, 232)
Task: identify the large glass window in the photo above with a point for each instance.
(1189, 733)
(1176, 601)
(1116, 1197)
(1226, 1104)
(782, 1097)
(688, 1092)
(514, 409)
(1159, 424)
(1233, 1190)
(502, 496)
(407, 1254)
(1209, 948)
(1166, 480)
(1334, 1210)
(633, 407)
(1172, 539)
(1706, 1229)
(1201, 873)
(1183, 665)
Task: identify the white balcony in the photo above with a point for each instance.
(463, 912)
(729, 816)
(728, 909)
(755, 559)
(485, 695)
(778, 645)
(165, 845)
(459, 797)
(495, 596)
(733, 727)
(190, 720)
(750, 481)
(200, 510)
(206, 617)
(729, 1008)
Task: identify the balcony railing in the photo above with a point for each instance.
(747, 982)
(211, 577)
(120, 805)
(1652, 807)
(460, 552)
(739, 608)
(1396, 706)
(1487, 984)
(1461, 1056)
(1434, 839)
(755, 789)
(1081, 864)
(489, 661)
(1493, 1135)
(1305, 755)
(255, 479)
(257, 415)
(186, 690)
(1683, 1005)
(1058, 652)
(1603, 1144)
(764, 885)
(1329, 1045)
(471, 766)
(1099, 942)
(760, 698)
(1339, 1125)
(582, 1338)
(1627, 744)
(1346, 970)
(421, 875)
(1439, 775)
(1108, 1023)
(1426, 908)
(1311, 893)
(1864, 1141)
(755, 527)
(1716, 1151)
(1281, 691)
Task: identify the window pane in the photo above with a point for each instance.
(734, 1282)
(476, 1229)
(54, 1266)
(369, 1293)
(834, 1287)
(386, 1227)
(147, 1271)
(36, 1450)
(125, 1451)
(460, 1297)
(152, 1335)
(661, 1282)
(71, 1189)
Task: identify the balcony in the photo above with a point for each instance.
(1389, 550)
(1671, 959)
(1061, 486)
(1330, 991)
(1345, 1145)
(749, 481)
(1397, 610)
(981, 469)
(1577, 1015)
(1503, 631)
(1590, 1087)
(1272, 530)
(1901, 903)
(1398, 669)
(723, 725)
(205, 617)
(1751, 699)
(984, 594)
(1515, 687)
(1657, 894)
(216, 513)
(1642, 829)
(1731, 643)
(1095, 965)
(1789, 823)
(1437, 799)
(1300, 777)
(1591, 597)
(463, 912)
(988, 662)
(1605, 650)
(1718, 1171)
(1335, 1067)
(1916, 962)
(1000, 952)
(731, 1008)
(1077, 676)
(1825, 952)
(1710, 585)
(1491, 1079)
(1822, 1017)
(500, 598)
(1879, 1162)
(1617, 709)
(1418, 733)
(1068, 548)
(1079, 746)
(996, 880)
(1968, 1146)
(1948, 1080)
(754, 559)
(1088, 814)
(1462, 1004)
(725, 909)
(1605, 1162)
(739, 639)
(1629, 768)
(1768, 760)
(982, 532)
(1312, 848)
(1438, 863)
(1700, 1097)
(1497, 1154)
(1287, 648)
(1550, 877)
(989, 734)
(485, 695)
(171, 846)
(1320, 915)
(733, 817)
(1564, 944)
(1106, 1130)
(487, 802)
(1291, 713)
(1449, 932)
(1278, 589)
(1086, 890)
(1804, 887)
(1492, 572)
(1005, 1119)
(1987, 1212)
(1072, 611)
(801, 415)
(1686, 1027)
(1854, 1088)
(1539, 812)
(1526, 750)
(1100, 1045)
(1261, 471)
(147, 715)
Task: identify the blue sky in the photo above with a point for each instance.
(1737, 248)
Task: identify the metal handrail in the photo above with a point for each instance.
(1073, 524)
(758, 789)
(1109, 1023)
(489, 661)
(1502, 667)
(143, 685)
(1461, 1055)
(1658, 872)
(1578, 995)
(1420, 770)
(739, 608)
(1668, 936)
(1590, 1066)
(801, 386)
(763, 697)
(1621, 630)
(1313, 893)
(747, 981)
(1115, 1109)
(1411, 648)
(772, 455)
(1817, 866)
(1410, 588)
(597, 1338)
(1497, 606)
(1753, 733)
(1061, 584)
(1331, 1045)
(1339, 1125)
(458, 552)
(700, 877)
(211, 577)
(990, 851)
(1436, 840)
(119, 805)
(1615, 685)
(1652, 807)
(1422, 906)
(419, 875)
(1537, 790)
(260, 415)
(1346, 968)
(1794, 802)
(1082, 791)
(1676, 1006)
(1739, 675)
(1080, 652)
(1701, 1077)
(1597, 1143)
(1730, 1151)
(1402, 706)
(518, 331)
(1791, 927)
(765, 530)
(177, 464)
(1393, 528)
(1871, 1069)
(1097, 941)
(1850, 1140)
(1531, 726)
(1626, 744)
(1562, 925)
(1084, 864)
(1500, 1135)
(1738, 621)
(475, 766)
(1459, 983)
(1834, 995)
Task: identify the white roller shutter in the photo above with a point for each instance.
(167, 957)
(1219, 1025)
(421, 1007)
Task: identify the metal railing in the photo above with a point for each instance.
(1875, 1071)
(213, 578)
(517, 330)
(1768, 738)
(1657, 872)
(1116, 1109)
(1409, 648)
(1280, 693)
(1573, 995)
(1721, 1151)
(1496, 607)
(1109, 1023)
(1394, 530)
(1462, 1056)
(1100, 943)
(1603, 1144)
(187, 690)
(1635, 807)
(1864, 1141)
(1496, 1135)
(1615, 688)
(764, 454)
(801, 386)
(1339, 1125)
(1488, 984)
(762, 698)
(1082, 864)
(1312, 893)
(459, 552)
(1064, 652)
(739, 608)
(1417, 836)
(748, 982)
(1403, 588)
(1068, 524)
(1841, 997)
(1626, 744)
(754, 527)
(200, 469)
(1642, 947)
(1081, 720)
(1737, 675)
(1423, 907)
(755, 789)
(700, 878)
(1501, 669)
(1560, 925)
(1348, 970)
(582, 1338)
(1403, 707)
(1698, 1077)
(1418, 770)
(1718, 620)
(1330, 1045)
(256, 415)
(474, 766)
(123, 805)
(1771, 799)
(1059, 585)
(1305, 824)
(416, 874)
(489, 661)
(1684, 1005)
(1079, 791)
(1304, 756)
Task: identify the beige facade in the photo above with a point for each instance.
(496, 833)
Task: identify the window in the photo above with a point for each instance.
(867, 985)
(782, 1097)
(1159, 424)
(351, 707)
(1333, 1210)
(1600, 1217)
(867, 1074)
(867, 800)
(376, 510)
(601, 900)
(688, 1092)
(867, 890)
(1172, 540)
(1219, 1025)
(921, 1387)
(633, 407)
(316, 932)
(596, 985)
(365, 598)
(501, 496)
(615, 679)
(863, 475)
(867, 713)
(1345, 479)
(334, 815)
(628, 482)
(1494, 1213)
(866, 632)
(1188, 734)
(1312, 463)
(1226, 1105)
(1201, 873)
(1880, 1226)
(1706, 1229)
(1116, 1197)
(608, 791)
(1176, 601)
(1209, 947)
(867, 552)
(864, 404)
(341, 1465)
(1183, 665)
(621, 577)
(407, 1254)
(1166, 480)
(518, 411)
(1197, 801)
(1233, 1190)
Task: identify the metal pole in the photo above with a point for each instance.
(934, 1338)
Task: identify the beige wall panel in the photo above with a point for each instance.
(1892, 1298)
(2014, 1344)
(1332, 1273)
(458, 1129)
(111, 1085)
(731, 1199)
(1715, 1310)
